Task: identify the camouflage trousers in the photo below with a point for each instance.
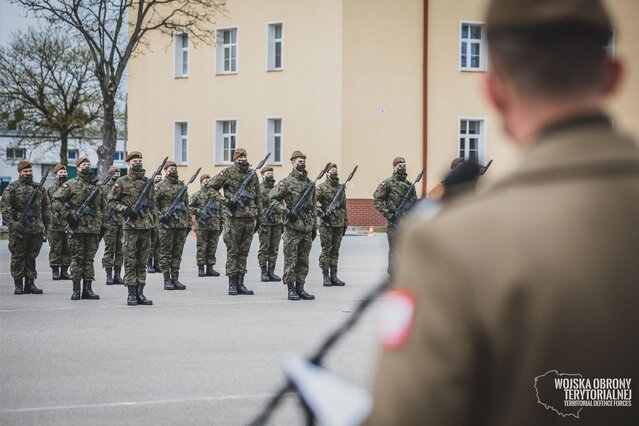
(171, 247)
(59, 249)
(154, 253)
(238, 235)
(112, 247)
(24, 252)
(270, 236)
(331, 238)
(297, 247)
(136, 246)
(207, 240)
(391, 234)
(83, 249)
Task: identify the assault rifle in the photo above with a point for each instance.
(111, 215)
(269, 214)
(337, 199)
(302, 206)
(404, 205)
(78, 217)
(211, 209)
(242, 193)
(142, 203)
(177, 204)
(485, 168)
(29, 213)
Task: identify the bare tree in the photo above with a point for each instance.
(113, 30)
(47, 86)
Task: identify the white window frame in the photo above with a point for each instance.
(76, 150)
(14, 156)
(270, 139)
(220, 50)
(178, 139)
(218, 143)
(483, 53)
(482, 138)
(180, 50)
(270, 46)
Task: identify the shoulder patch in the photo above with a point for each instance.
(64, 185)
(398, 315)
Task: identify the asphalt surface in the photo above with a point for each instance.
(196, 357)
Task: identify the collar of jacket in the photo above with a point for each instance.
(268, 185)
(137, 175)
(299, 175)
(331, 182)
(172, 180)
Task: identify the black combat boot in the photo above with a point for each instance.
(87, 291)
(117, 279)
(64, 272)
(149, 267)
(334, 280)
(210, 272)
(109, 274)
(141, 298)
(76, 290)
(326, 281)
(19, 289)
(264, 277)
(55, 273)
(292, 294)
(132, 299)
(168, 283)
(200, 271)
(30, 284)
(271, 273)
(175, 278)
(156, 266)
(299, 288)
(241, 289)
(232, 285)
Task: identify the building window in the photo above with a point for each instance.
(274, 139)
(472, 43)
(472, 140)
(275, 47)
(227, 51)
(181, 55)
(16, 153)
(73, 154)
(226, 140)
(118, 156)
(181, 143)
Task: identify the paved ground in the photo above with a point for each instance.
(196, 357)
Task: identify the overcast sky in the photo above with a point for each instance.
(12, 18)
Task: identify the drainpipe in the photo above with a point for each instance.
(425, 99)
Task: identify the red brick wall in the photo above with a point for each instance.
(361, 212)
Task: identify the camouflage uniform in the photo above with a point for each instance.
(112, 225)
(25, 250)
(270, 234)
(153, 264)
(208, 233)
(59, 243)
(331, 229)
(387, 197)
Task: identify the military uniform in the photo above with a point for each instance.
(25, 250)
(153, 263)
(85, 238)
(387, 198)
(207, 228)
(112, 221)
(331, 230)
(270, 234)
(59, 244)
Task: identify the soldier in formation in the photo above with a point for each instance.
(270, 231)
(207, 208)
(112, 229)
(59, 248)
(153, 264)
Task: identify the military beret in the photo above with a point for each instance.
(24, 164)
(331, 165)
(456, 162)
(238, 152)
(204, 176)
(398, 160)
(112, 169)
(297, 154)
(81, 160)
(58, 167)
(169, 164)
(266, 169)
(523, 14)
(133, 154)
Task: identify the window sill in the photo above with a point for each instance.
(274, 164)
(222, 164)
(179, 77)
(226, 73)
(472, 69)
(275, 70)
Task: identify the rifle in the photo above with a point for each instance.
(211, 209)
(177, 204)
(242, 193)
(77, 217)
(485, 168)
(269, 214)
(28, 213)
(337, 199)
(403, 206)
(111, 215)
(142, 203)
(302, 206)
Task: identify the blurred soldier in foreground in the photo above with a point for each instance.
(270, 231)
(539, 274)
(59, 248)
(208, 226)
(112, 226)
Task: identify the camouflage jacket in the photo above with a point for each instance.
(111, 218)
(389, 194)
(285, 195)
(124, 193)
(57, 220)
(266, 190)
(197, 203)
(14, 199)
(325, 194)
(70, 197)
(167, 191)
(230, 179)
